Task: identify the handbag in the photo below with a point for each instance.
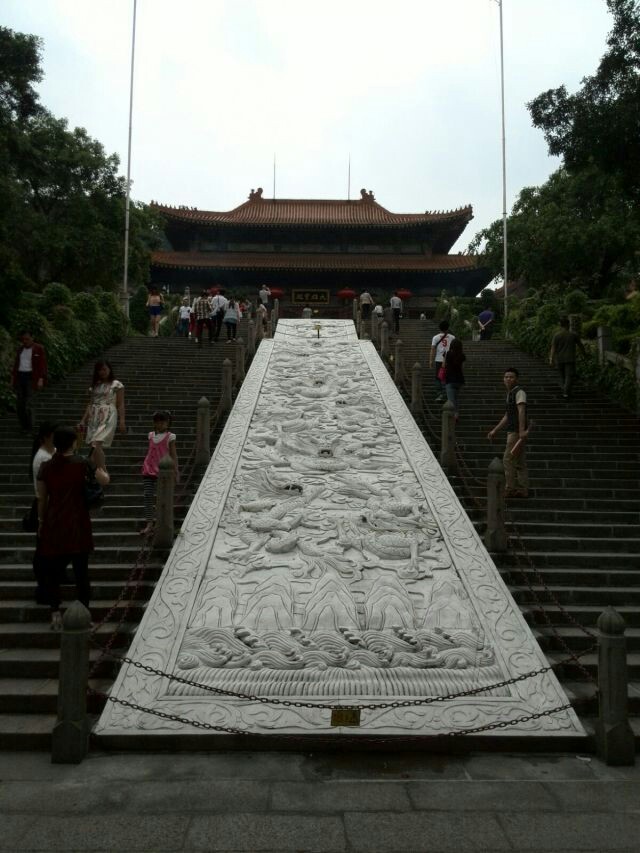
(93, 491)
(30, 518)
(442, 374)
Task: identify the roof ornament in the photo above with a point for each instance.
(256, 195)
(367, 195)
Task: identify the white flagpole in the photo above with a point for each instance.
(349, 179)
(274, 176)
(504, 170)
(127, 204)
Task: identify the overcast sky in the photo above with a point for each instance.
(410, 88)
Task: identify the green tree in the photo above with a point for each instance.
(575, 231)
(600, 123)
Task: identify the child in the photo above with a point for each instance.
(161, 443)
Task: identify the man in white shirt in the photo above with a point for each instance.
(184, 315)
(396, 307)
(218, 306)
(439, 348)
(366, 301)
(265, 295)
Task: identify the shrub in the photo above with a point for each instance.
(54, 294)
(85, 307)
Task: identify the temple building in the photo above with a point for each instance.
(313, 250)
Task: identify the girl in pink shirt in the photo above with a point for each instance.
(161, 443)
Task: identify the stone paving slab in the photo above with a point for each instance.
(250, 802)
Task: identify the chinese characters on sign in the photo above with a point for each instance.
(309, 297)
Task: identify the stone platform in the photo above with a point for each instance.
(326, 561)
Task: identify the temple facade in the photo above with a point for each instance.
(313, 249)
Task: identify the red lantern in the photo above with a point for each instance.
(404, 293)
(346, 293)
(277, 293)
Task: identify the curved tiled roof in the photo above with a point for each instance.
(361, 212)
(313, 261)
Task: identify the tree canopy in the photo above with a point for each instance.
(61, 197)
(581, 228)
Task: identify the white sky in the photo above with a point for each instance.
(409, 88)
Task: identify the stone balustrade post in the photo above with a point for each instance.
(163, 535)
(203, 431)
(271, 324)
(70, 735)
(276, 312)
(251, 339)
(259, 329)
(355, 310)
(240, 356)
(416, 387)
(575, 323)
(615, 741)
(495, 537)
(604, 344)
(448, 439)
(384, 339)
(397, 366)
(227, 384)
(374, 327)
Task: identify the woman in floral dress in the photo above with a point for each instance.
(104, 412)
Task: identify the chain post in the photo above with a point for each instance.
(604, 344)
(251, 339)
(355, 310)
(416, 387)
(259, 329)
(384, 339)
(614, 736)
(374, 327)
(227, 383)
(70, 735)
(495, 537)
(203, 420)
(163, 536)
(275, 314)
(448, 439)
(240, 355)
(397, 366)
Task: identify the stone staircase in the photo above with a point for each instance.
(168, 373)
(576, 540)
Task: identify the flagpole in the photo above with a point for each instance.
(127, 204)
(274, 176)
(504, 169)
(349, 179)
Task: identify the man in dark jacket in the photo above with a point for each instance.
(29, 375)
(563, 355)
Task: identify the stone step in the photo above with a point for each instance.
(585, 614)
(45, 663)
(25, 611)
(116, 572)
(28, 695)
(29, 635)
(571, 596)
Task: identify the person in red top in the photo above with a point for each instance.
(29, 375)
(64, 524)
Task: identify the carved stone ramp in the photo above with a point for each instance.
(327, 563)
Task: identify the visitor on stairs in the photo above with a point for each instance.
(155, 306)
(396, 308)
(218, 307)
(516, 422)
(485, 324)
(29, 376)
(64, 523)
(563, 355)
(184, 315)
(366, 302)
(454, 377)
(439, 346)
(202, 312)
(231, 315)
(42, 451)
(105, 411)
(161, 443)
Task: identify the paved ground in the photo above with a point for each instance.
(324, 803)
